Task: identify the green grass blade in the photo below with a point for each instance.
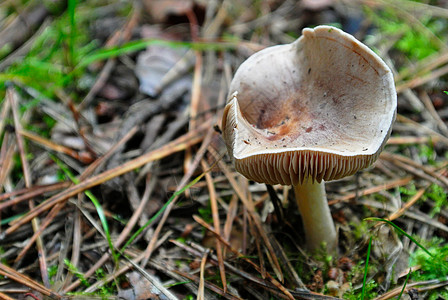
(161, 210)
(133, 46)
(72, 36)
(364, 281)
(103, 219)
(400, 231)
(97, 205)
(404, 286)
(4, 77)
(7, 220)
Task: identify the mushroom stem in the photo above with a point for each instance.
(316, 216)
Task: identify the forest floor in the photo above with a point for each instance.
(115, 181)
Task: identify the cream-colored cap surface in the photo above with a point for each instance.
(320, 107)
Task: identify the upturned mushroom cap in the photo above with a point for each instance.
(321, 107)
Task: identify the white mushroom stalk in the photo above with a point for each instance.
(316, 216)
(315, 110)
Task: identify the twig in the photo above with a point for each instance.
(6, 105)
(239, 255)
(423, 218)
(179, 144)
(119, 36)
(196, 89)
(133, 263)
(209, 285)
(32, 192)
(119, 241)
(402, 140)
(415, 168)
(216, 222)
(5, 297)
(429, 131)
(167, 148)
(430, 107)
(372, 190)
(55, 147)
(432, 283)
(13, 98)
(149, 249)
(24, 48)
(405, 207)
(55, 210)
(251, 209)
(201, 276)
(6, 160)
(25, 280)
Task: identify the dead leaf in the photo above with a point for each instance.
(140, 289)
(160, 10)
(152, 66)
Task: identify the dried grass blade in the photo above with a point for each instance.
(288, 266)
(430, 107)
(420, 80)
(408, 204)
(121, 238)
(13, 98)
(216, 223)
(209, 285)
(196, 88)
(181, 143)
(423, 218)
(51, 215)
(423, 66)
(253, 232)
(6, 163)
(117, 38)
(372, 190)
(4, 113)
(432, 133)
(97, 163)
(5, 297)
(133, 263)
(396, 291)
(253, 214)
(167, 208)
(400, 140)
(49, 144)
(394, 158)
(201, 277)
(200, 221)
(55, 210)
(183, 187)
(241, 256)
(33, 191)
(27, 281)
(231, 214)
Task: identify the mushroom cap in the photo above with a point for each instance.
(321, 107)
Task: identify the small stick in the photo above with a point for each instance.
(372, 190)
(201, 277)
(216, 222)
(13, 98)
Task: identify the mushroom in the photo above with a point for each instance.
(318, 109)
